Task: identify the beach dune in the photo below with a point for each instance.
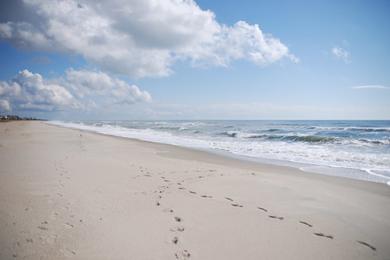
(69, 194)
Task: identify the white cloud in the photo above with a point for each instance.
(30, 91)
(341, 54)
(370, 87)
(91, 83)
(77, 90)
(241, 41)
(4, 105)
(141, 37)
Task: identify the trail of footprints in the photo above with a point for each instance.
(161, 189)
(178, 221)
(179, 227)
(185, 254)
(46, 234)
(319, 234)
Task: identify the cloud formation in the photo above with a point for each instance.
(4, 105)
(140, 38)
(85, 83)
(30, 91)
(371, 87)
(341, 54)
(79, 89)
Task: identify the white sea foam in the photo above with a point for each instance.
(367, 164)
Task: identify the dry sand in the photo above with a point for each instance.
(71, 194)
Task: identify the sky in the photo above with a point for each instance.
(184, 59)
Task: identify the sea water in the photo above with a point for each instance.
(355, 149)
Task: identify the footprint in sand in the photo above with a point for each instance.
(168, 210)
(305, 223)
(69, 225)
(206, 196)
(43, 228)
(323, 235)
(263, 209)
(236, 205)
(276, 217)
(179, 229)
(228, 198)
(69, 252)
(193, 192)
(183, 255)
(175, 240)
(367, 245)
(178, 219)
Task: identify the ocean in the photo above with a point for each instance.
(353, 149)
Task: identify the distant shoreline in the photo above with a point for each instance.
(8, 118)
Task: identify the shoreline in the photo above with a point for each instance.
(68, 193)
(318, 169)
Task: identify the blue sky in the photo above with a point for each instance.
(331, 61)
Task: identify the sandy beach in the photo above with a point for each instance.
(69, 194)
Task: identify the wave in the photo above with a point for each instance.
(272, 130)
(314, 139)
(168, 127)
(376, 142)
(229, 134)
(289, 138)
(365, 129)
(352, 129)
(296, 138)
